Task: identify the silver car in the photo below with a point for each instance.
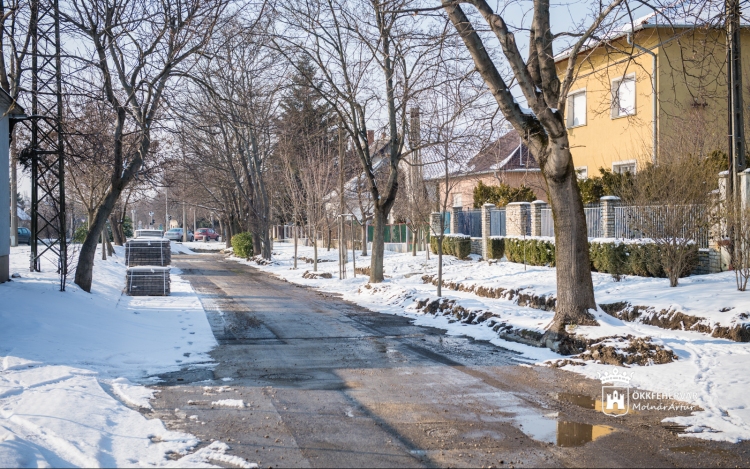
(175, 234)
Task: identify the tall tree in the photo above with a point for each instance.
(374, 59)
(544, 132)
(134, 51)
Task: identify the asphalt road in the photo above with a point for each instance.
(328, 384)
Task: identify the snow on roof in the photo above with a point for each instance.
(22, 215)
(681, 14)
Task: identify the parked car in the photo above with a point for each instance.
(24, 235)
(175, 234)
(206, 234)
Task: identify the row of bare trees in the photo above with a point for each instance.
(255, 112)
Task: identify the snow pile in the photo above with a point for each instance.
(133, 395)
(711, 372)
(59, 416)
(216, 451)
(229, 403)
(61, 350)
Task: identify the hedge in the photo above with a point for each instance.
(640, 259)
(532, 251)
(495, 248)
(644, 260)
(243, 245)
(459, 246)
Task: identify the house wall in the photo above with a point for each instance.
(691, 83)
(465, 185)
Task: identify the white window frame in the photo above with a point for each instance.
(458, 199)
(618, 164)
(571, 109)
(582, 172)
(615, 86)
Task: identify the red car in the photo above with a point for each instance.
(206, 234)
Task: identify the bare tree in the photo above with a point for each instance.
(136, 51)
(374, 59)
(544, 132)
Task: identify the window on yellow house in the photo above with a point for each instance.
(577, 108)
(582, 172)
(622, 167)
(623, 96)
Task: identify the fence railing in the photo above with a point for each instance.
(548, 223)
(686, 222)
(593, 222)
(497, 222)
(470, 223)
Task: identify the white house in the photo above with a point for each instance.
(8, 112)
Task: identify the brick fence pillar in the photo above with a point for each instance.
(454, 219)
(517, 218)
(607, 212)
(536, 217)
(486, 228)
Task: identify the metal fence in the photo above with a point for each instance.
(548, 223)
(470, 223)
(687, 222)
(497, 222)
(593, 222)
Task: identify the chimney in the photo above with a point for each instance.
(370, 137)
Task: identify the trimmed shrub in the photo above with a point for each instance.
(495, 248)
(243, 245)
(640, 259)
(459, 246)
(535, 251)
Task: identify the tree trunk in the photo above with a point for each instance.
(575, 290)
(85, 267)
(104, 244)
(378, 246)
(364, 239)
(328, 241)
(294, 229)
(115, 232)
(315, 251)
(440, 265)
(414, 243)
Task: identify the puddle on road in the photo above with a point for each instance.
(560, 432)
(578, 434)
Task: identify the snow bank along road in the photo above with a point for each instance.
(306, 379)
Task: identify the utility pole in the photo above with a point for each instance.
(343, 256)
(734, 76)
(184, 224)
(13, 196)
(166, 209)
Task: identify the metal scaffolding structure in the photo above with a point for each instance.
(45, 153)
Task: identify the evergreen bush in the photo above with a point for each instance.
(459, 246)
(243, 245)
(495, 248)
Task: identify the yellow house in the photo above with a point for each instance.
(615, 119)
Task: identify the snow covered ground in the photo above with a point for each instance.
(710, 372)
(69, 362)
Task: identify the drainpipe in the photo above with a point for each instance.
(654, 104)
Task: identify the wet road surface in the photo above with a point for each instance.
(324, 383)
